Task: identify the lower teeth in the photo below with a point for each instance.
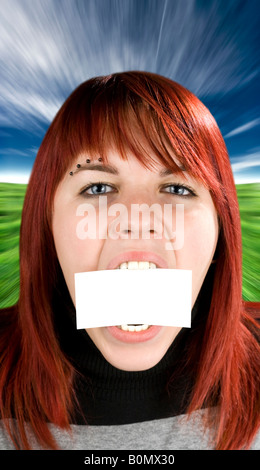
(134, 327)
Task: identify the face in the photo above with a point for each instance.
(128, 182)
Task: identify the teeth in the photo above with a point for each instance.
(152, 266)
(133, 327)
(123, 266)
(137, 265)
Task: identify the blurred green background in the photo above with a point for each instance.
(11, 202)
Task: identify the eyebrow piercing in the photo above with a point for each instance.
(87, 161)
(71, 172)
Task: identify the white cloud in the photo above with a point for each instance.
(48, 47)
(14, 152)
(243, 165)
(11, 177)
(246, 168)
(243, 128)
(247, 179)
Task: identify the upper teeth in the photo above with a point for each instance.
(133, 327)
(137, 265)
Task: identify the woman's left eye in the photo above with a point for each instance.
(97, 189)
(178, 190)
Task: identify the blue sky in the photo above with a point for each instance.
(48, 47)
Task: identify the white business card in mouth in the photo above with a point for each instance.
(119, 297)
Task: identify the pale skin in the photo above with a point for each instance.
(133, 183)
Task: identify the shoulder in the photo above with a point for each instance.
(5, 440)
(175, 433)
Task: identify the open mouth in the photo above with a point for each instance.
(136, 260)
(136, 265)
(134, 333)
(133, 328)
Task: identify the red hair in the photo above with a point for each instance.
(36, 379)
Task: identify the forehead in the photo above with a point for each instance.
(116, 163)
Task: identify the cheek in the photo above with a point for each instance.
(74, 254)
(200, 241)
(201, 238)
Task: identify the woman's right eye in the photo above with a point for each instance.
(97, 189)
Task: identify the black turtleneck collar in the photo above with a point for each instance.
(107, 395)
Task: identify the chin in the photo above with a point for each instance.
(134, 361)
(136, 351)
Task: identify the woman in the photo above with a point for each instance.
(155, 142)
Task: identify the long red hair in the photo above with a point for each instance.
(36, 379)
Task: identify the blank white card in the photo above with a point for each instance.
(122, 296)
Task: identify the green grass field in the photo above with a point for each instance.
(11, 202)
(249, 205)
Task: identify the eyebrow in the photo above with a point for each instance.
(112, 170)
(170, 171)
(97, 167)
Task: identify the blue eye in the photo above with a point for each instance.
(97, 189)
(178, 190)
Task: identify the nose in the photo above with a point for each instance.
(138, 221)
(143, 231)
